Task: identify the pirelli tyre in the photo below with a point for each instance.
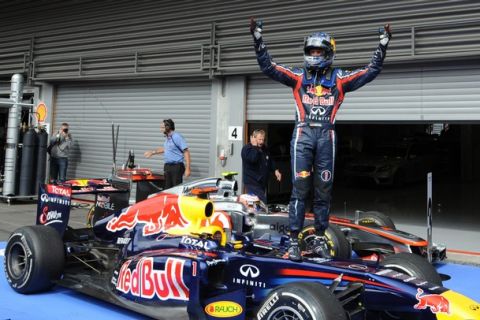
(34, 259)
(337, 242)
(375, 218)
(301, 301)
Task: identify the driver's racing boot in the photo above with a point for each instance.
(320, 247)
(294, 252)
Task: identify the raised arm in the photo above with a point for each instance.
(352, 80)
(274, 71)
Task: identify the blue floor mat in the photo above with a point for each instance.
(64, 304)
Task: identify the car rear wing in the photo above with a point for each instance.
(53, 206)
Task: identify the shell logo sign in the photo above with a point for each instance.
(41, 112)
(223, 309)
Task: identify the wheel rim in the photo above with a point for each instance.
(285, 313)
(307, 240)
(17, 260)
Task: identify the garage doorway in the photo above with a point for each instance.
(450, 155)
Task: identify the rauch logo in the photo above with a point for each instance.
(223, 309)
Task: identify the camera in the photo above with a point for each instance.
(65, 130)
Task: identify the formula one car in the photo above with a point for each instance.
(172, 256)
(369, 236)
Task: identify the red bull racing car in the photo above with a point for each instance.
(174, 256)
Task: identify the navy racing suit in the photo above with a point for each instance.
(318, 96)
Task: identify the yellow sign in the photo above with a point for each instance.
(223, 309)
(41, 112)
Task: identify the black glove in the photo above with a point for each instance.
(256, 28)
(385, 34)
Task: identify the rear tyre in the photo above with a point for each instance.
(34, 259)
(336, 240)
(301, 301)
(375, 218)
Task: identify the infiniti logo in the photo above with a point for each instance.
(248, 270)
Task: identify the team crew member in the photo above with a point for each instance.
(257, 165)
(176, 152)
(319, 90)
(59, 149)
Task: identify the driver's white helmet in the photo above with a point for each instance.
(252, 203)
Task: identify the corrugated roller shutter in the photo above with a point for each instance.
(424, 93)
(428, 93)
(139, 109)
(421, 30)
(123, 38)
(269, 100)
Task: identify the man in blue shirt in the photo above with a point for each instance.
(175, 151)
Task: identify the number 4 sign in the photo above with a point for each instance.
(235, 133)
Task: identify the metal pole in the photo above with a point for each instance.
(429, 217)
(14, 115)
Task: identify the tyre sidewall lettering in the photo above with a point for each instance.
(19, 239)
(284, 300)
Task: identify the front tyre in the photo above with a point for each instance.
(412, 265)
(301, 301)
(34, 259)
(375, 218)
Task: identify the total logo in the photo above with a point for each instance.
(198, 243)
(63, 191)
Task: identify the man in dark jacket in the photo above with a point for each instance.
(319, 89)
(257, 165)
(59, 148)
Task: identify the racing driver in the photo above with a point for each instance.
(318, 90)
